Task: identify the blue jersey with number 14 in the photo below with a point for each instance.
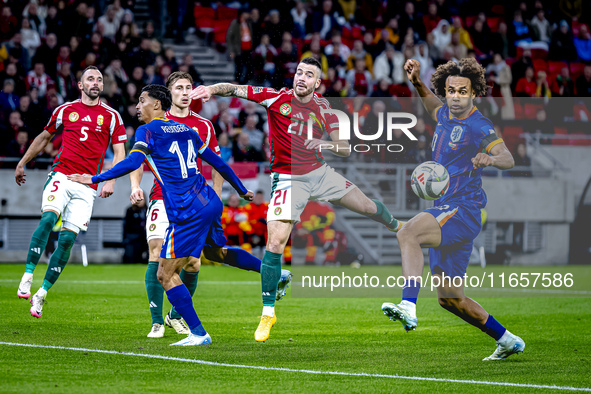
(171, 150)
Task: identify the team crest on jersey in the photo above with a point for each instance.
(152, 227)
(99, 120)
(456, 133)
(278, 211)
(285, 109)
(51, 197)
(73, 116)
(257, 89)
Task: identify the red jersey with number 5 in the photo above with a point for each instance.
(205, 129)
(87, 132)
(288, 128)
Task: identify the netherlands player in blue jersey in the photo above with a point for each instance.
(170, 149)
(464, 142)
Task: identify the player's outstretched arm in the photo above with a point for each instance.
(109, 187)
(430, 101)
(39, 143)
(219, 89)
(226, 171)
(137, 194)
(501, 158)
(218, 182)
(133, 162)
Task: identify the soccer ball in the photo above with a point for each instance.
(429, 180)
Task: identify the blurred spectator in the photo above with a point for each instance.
(338, 48)
(38, 78)
(299, 15)
(131, 96)
(32, 119)
(379, 46)
(250, 108)
(239, 40)
(562, 46)
(225, 124)
(326, 20)
(584, 82)
(113, 96)
(244, 151)
(421, 53)
(563, 85)
(503, 78)
(287, 63)
(235, 222)
(255, 135)
(274, 28)
(541, 27)
(264, 60)
(55, 23)
(409, 19)
(463, 35)
(520, 32)
(257, 26)
(480, 33)
(583, 44)
(257, 217)
(11, 72)
(225, 145)
(316, 52)
(137, 78)
(526, 86)
(151, 77)
(359, 53)
(499, 42)
(30, 37)
(142, 55)
(359, 80)
(116, 72)
(19, 145)
(170, 59)
(9, 101)
(521, 160)
(187, 66)
(519, 68)
(66, 83)
(421, 152)
(460, 51)
(390, 65)
(382, 88)
(442, 36)
(8, 24)
(134, 234)
(431, 19)
(90, 23)
(17, 51)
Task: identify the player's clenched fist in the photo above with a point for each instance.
(249, 196)
(200, 92)
(19, 175)
(482, 160)
(136, 196)
(413, 70)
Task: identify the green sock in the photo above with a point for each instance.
(39, 240)
(59, 258)
(155, 292)
(190, 280)
(383, 215)
(270, 275)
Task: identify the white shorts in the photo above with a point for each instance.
(291, 193)
(72, 200)
(156, 220)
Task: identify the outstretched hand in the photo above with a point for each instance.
(200, 92)
(85, 179)
(482, 160)
(413, 71)
(249, 196)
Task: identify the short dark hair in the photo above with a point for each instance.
(175, 76)
(466, 68)
(260, 192)
(86, 69)
(161, 93)
(313, 62)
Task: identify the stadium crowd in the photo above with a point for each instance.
(529, 49)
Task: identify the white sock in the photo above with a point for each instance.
(269, 311)
(410, 306)
(42, 292)
(506, 336)
(27, 276)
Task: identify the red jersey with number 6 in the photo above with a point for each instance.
(205, 129)
(288, 128)
(87, 132)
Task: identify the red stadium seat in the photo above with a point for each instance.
(512, 137)
(220, 28)
(226, 13)
(576, 69)
(519, 112)
(562, 134)
(530, 110)
(540, 65)
(493, 23)
(469, 21)
(203, 12)
(498, 9)
(536, 53)
(554, 69)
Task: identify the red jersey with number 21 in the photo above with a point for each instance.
(206, 132)
(288, 128)
(87, 132)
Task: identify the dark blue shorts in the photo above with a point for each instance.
(188, 237)
(460, 225)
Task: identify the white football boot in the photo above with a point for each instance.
(405, 313)
(178, 324)
(508, 345)
(194, 340)
(24, 289)
(37, 302)
(157, 331)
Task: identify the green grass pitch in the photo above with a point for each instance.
(105, 307)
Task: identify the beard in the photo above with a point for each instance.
(92, 94)
(306, 93)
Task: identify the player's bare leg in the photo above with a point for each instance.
(358, 202)
(180, 298)
(38, 243)
(453, 299)
(422, 231)
(240, 258)
(278, 235)
(154, 288)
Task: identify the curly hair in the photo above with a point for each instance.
(159, 92)
(467, 68)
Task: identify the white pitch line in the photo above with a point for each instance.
(138, 282)
(306, 371)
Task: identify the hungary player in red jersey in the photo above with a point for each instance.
(88, 127)
(298, 170)
(180, 85)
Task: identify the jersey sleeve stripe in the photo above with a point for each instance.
(138, 150)
(436, 110)
(493, 144)
(203, 147)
